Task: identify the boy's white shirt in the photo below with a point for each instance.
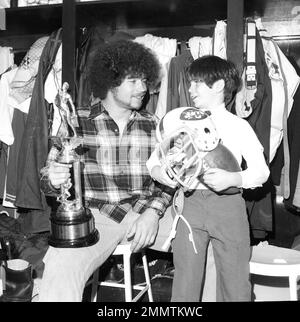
(239, 137)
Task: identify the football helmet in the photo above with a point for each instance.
(185, 134)
(189, 145)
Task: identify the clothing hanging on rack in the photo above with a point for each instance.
(265, 108)
(10, 189)
(164, 49)
(34, 147)
(90, 38)
(23, 81)
(6, 59)
(277, 166)
(285, 81)
(17, 100)
(178, 83)
(259, 202)
(6, 110)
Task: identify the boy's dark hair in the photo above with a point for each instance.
(211, 68)
(114, 61)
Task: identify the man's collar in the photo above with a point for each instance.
(96, 110)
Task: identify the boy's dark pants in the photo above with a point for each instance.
(223, 220)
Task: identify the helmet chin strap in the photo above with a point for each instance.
(177, 205)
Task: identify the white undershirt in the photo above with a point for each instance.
(121, 125)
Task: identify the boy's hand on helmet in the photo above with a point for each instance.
(159, 173)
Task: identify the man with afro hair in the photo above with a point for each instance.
(119, 59)
(118, 138)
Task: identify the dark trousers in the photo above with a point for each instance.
(223, 220)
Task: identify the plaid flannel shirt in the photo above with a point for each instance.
(116, 179)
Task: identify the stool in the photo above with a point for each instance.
(268, 260)
(124, 250)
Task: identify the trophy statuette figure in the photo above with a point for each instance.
(72, 225)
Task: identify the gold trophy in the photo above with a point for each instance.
(72, 225)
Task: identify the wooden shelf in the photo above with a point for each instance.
(152, 13)
(32, 20)
(136, 13)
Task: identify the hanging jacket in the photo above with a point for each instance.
(34, 147)
(259, 202)
(260, 118)
(164, 49)
(87, 46)
(178, 85)
(11, 184)
(293, 133)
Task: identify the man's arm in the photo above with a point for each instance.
(143, 231)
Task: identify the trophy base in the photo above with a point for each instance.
(89, 240)
(74, 232)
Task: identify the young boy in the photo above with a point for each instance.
(214, 214)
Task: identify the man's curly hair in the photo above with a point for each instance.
(114, 61)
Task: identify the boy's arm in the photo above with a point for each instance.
(153, 161)
(158, 171)
(162, 184)
(257, 171)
